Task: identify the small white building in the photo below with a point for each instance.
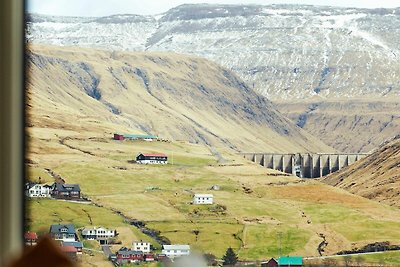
(141, 246)
(38, 190)
(100, 233)
(173, 251)
(152, 158)
(203, 199)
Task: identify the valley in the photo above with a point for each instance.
(70, 132)
(212, 83)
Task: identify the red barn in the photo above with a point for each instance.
(119, 137)
(271, 263)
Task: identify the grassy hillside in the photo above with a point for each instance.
(253, 210)
(374, 177)
(257, 211)
(174, 96)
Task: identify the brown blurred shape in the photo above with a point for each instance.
(45, 254)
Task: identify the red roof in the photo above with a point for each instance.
(69, 249)
(30, 235)
(154, 155)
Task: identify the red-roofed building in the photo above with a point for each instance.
(30, 238)
(152, 158)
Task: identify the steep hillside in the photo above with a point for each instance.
(174, 96)
(357, 125)
(255, 209)
(285, 52)
(375, 177)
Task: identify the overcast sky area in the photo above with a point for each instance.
(96, 8)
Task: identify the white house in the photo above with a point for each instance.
(100, 233)
(63, 232)
(38, 190)
(152, 158)
(203, 199)
(173, 251)
(141, 246)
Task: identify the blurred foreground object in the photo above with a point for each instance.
(45, 254)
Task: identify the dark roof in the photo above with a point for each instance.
(290, 261)
(67, 187)
(153, 155)
(29, 185)
(127, 252)
(56, 228)
(74, 244)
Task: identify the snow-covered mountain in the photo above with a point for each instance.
(283, 51)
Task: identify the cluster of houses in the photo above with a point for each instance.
(56, 190)
(68, 239)
(141, 252)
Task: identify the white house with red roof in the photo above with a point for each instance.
(152, 158)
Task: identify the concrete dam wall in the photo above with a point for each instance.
(304, 165)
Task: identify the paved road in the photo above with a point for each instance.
(106, 249)
(355, 254)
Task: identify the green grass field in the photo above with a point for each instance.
(264, 215)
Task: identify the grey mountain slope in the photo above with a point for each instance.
(283, 51)
(174, 96)
(286, 52)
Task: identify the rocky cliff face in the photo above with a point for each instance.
(174, 96)
(283, 51)
(349, 125)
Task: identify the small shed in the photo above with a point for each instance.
(152, 158)
(203, 199)
(271, 263)
(119, 137)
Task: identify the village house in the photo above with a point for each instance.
(125, 255)
(101, 234)
(152, 158)
(173, 251)
(143, 137)
(271, 263)
(149, 257)
(63, 232)
(66, 191)
(38, 190)
(141, 246)
(290, 261)
(76, 244)
(31, 238)
(203, 199)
